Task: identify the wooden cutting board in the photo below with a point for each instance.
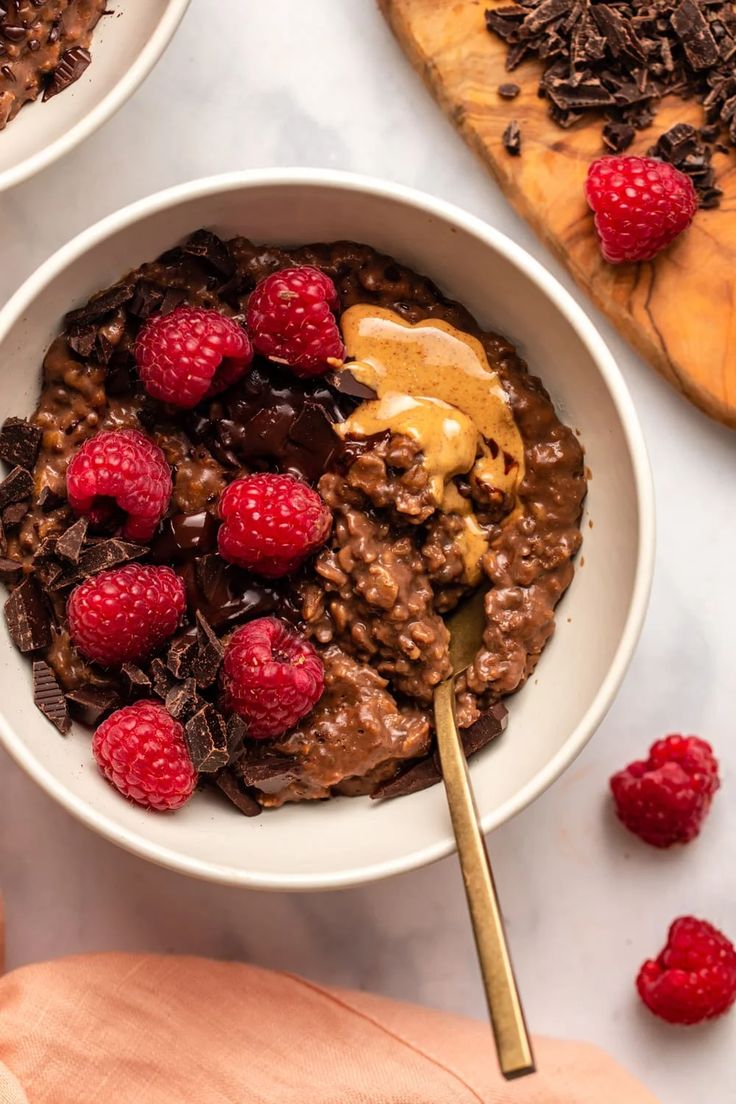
(678, 311)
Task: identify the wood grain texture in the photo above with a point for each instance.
(678, 311)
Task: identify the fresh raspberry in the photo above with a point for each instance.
(271, 523)
(664, 799)
(191, 354)
(141, 750)
(123, 615)
(121, 467)
(694, 977)
(271, 677)
(640, 206)
(290, 318)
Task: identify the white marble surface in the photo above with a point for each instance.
(322, 83)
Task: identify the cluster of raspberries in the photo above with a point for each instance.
(270, 524)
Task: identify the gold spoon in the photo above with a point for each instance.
(507, 1017)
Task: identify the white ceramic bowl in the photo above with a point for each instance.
(125, 47)
(350, 840)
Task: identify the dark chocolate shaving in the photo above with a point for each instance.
(99, 306)
(181, 655)
(182, 700)
(69, 544)
(509, 90)
(135, 680)
(10, 571)
(619, 59)
(13, 515)
(162, 679)
(511, 139)
(236, 792)
(16, 486)
(206, 737)
(206, 665)
(49, 500)
(71, 65)
(49, 697)
(212, 252)
(107, 553)
(19, 443)
(89, 705)
(27, 618)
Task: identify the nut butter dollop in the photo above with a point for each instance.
(435, 385)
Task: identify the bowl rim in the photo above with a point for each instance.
(106, 107)
(136, 842)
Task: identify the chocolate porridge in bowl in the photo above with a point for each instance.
(255, 483)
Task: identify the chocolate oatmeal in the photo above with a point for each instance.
(439, 462)
(43, 48)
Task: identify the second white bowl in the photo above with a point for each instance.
(125, 47)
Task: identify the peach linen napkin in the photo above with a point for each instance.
(154, 1029)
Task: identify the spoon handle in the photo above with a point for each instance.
(513, 1045)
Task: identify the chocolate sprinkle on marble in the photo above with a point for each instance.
(206, 737)
(48, 696)
(28, 620)
(20, 442)
(621, 58)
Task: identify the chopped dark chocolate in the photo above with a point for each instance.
(13, 515)
(20, 442)
(267, 771)
(135, 680)
(623, 57)
(511, 139)
(49, 500)
(162, 679)
(182, 700)
(206, 737)
(10, 571)
(90, 704)
(682, 146)
(16, 486)
(181, 654)
(69, 544)
(206, 665)
(233, 789)
(237, 730)
(184, 537)
(108, 553)
(83, 342)
(146, 299)
(29, 623)
(345, 383)
(72, 64)
(99, 306)
(49, 697)
(509, 90)
(211, 251)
